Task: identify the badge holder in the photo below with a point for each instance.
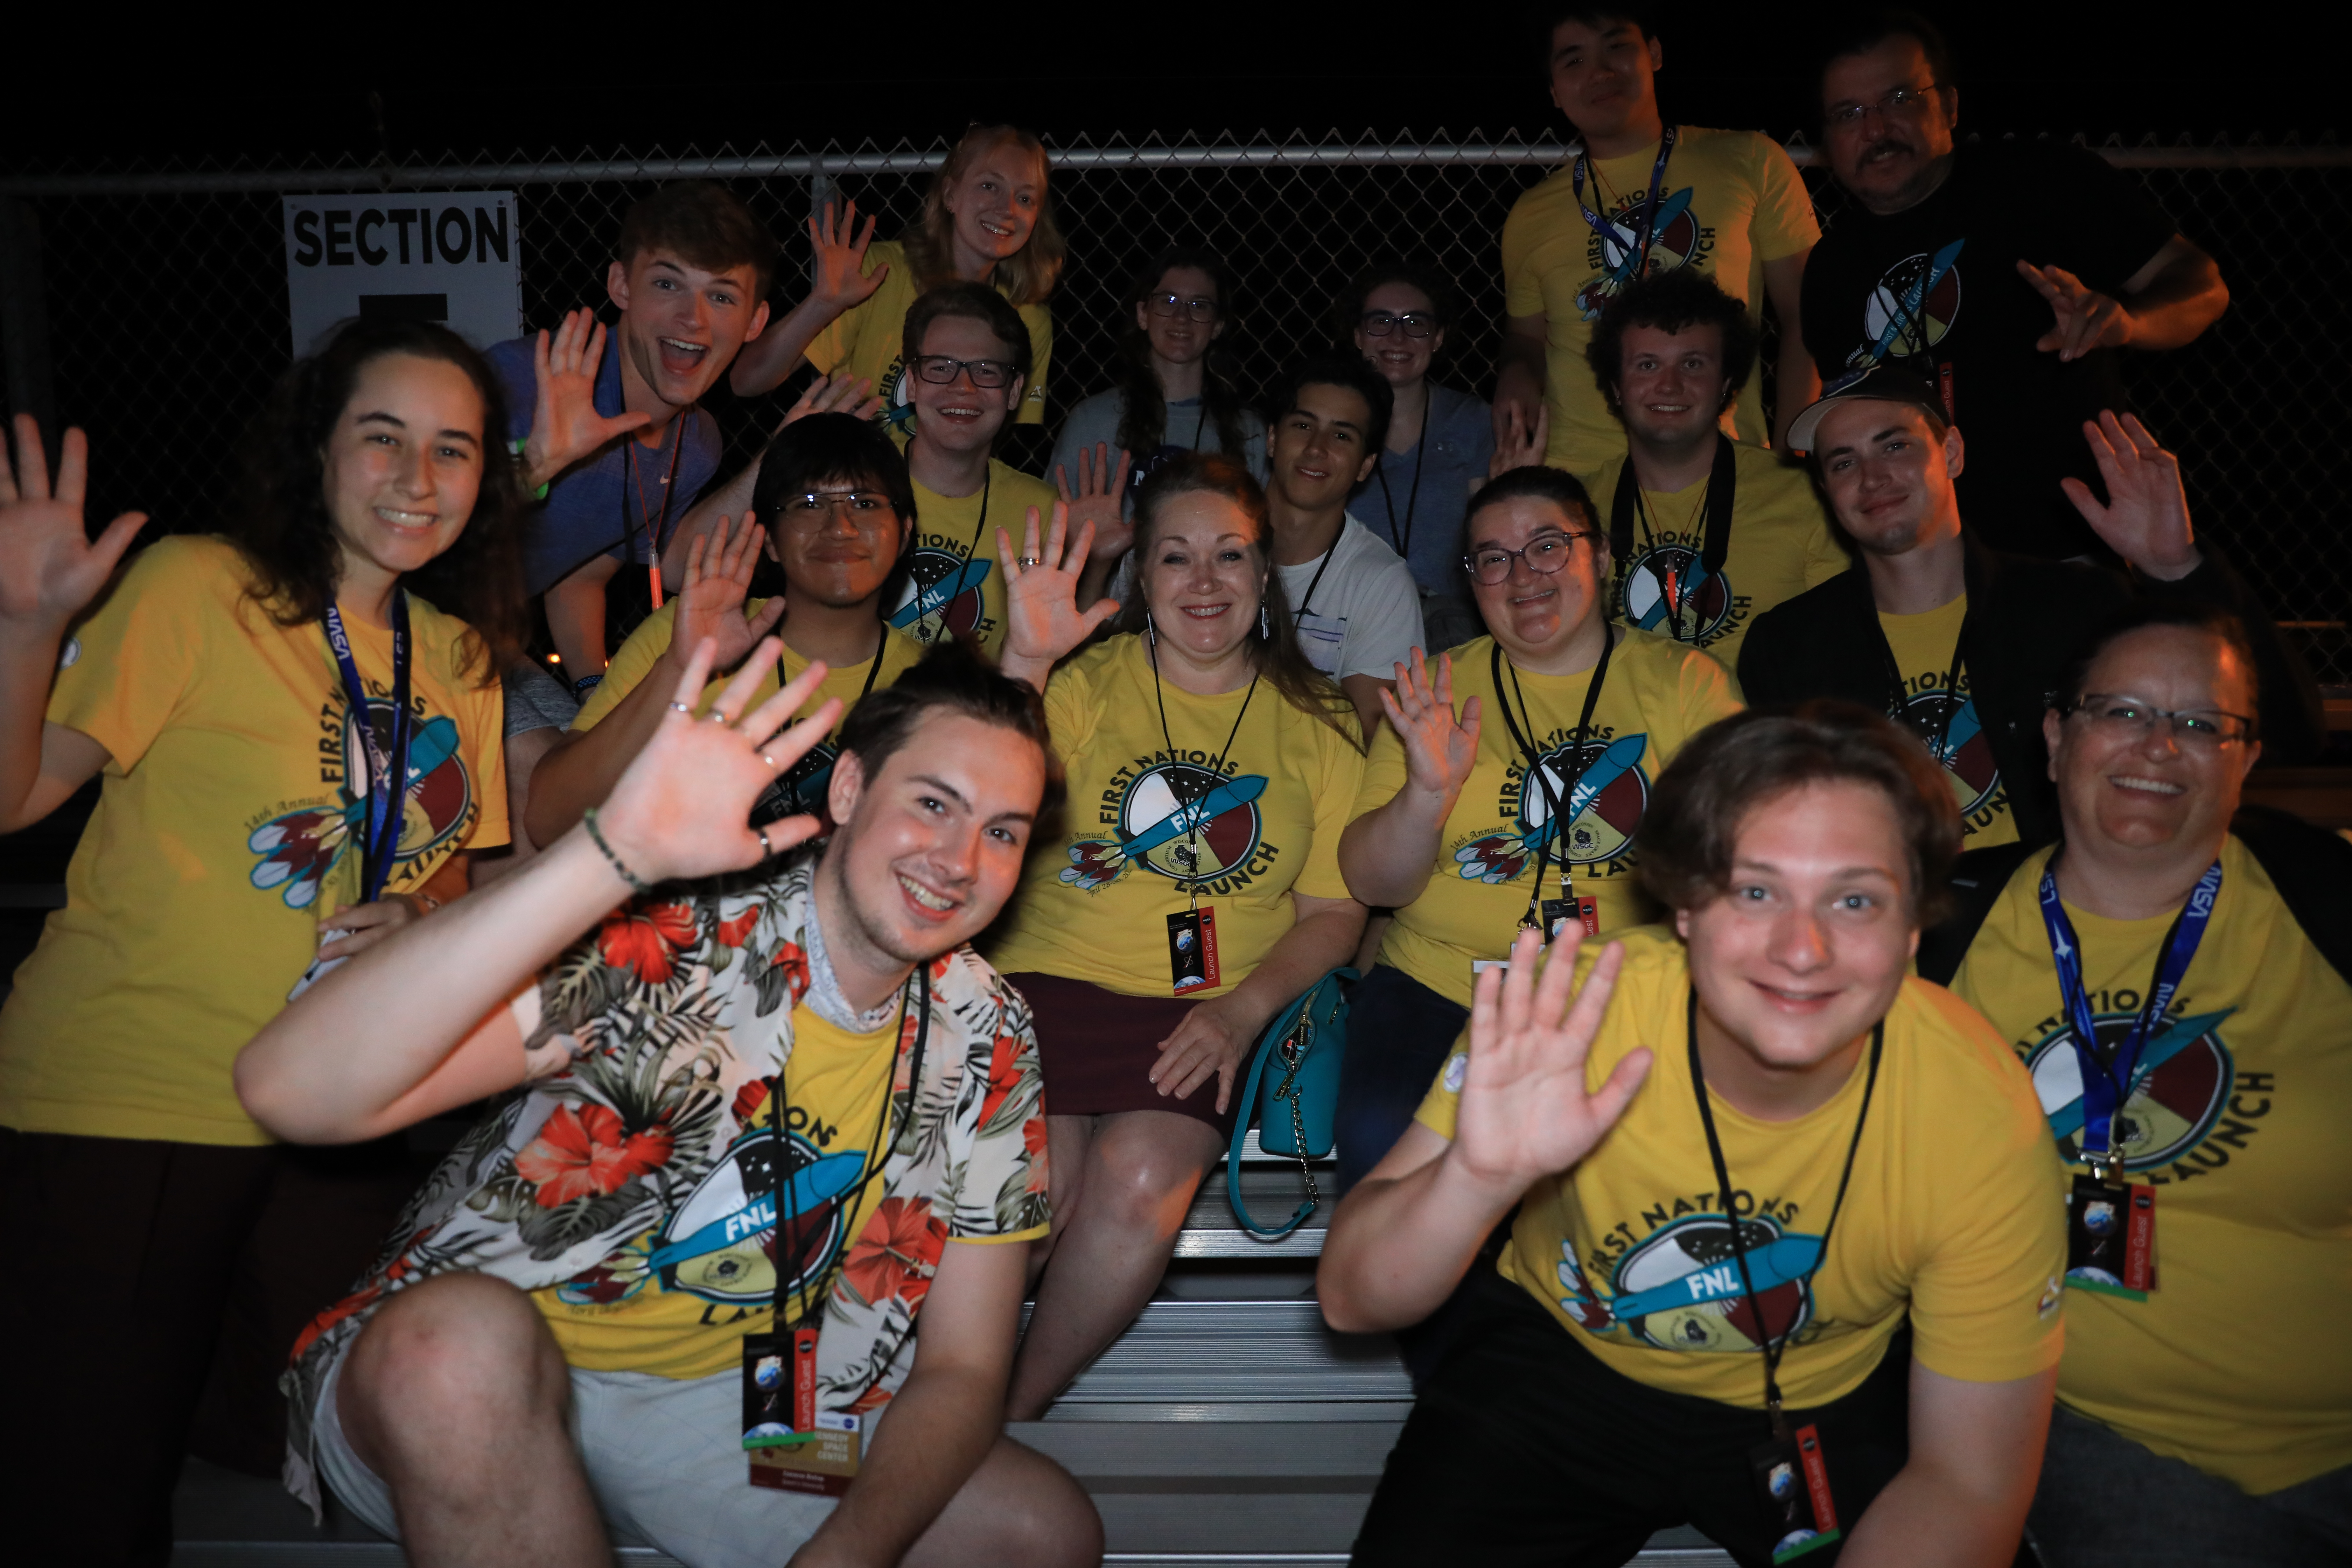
(1192, 949)
(1583, 908)
(2111, 1235)
(1793, 1479)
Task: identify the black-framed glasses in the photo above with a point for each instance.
(1199, 308)
(940, 370)
(1902, 100)
(861, 505)
(1416, 323)
(1545, 553)
(2129, 719)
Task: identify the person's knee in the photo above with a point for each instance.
(1044, 1517)
(455, 1356)
(1142, 1180)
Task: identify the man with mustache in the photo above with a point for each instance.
(2004, 274)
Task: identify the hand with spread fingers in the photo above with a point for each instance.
(1440, 749)
(2145, 517)
(719, 570)
(1100, 499)
(564, 424)
(50, 569)
(2087, 319)
(841, 282)
(1524, 1112)
(1043, 621)
(840, 393)
(683, 806)
(1522, 444)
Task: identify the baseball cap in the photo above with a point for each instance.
(1880, 384)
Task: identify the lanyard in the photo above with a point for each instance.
(1775, 1346)
(987, 478)
(2107, 1075)
(1647, 214)
(1413, 496)
(786, 1202)
(656, 530)
(1522, 726)
(1896, 702)
(387, 770)
(1312, 583)
(1625, 505)
(1217, 763)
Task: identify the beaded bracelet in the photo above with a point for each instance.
(588, 820)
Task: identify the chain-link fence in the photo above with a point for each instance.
(165, 299)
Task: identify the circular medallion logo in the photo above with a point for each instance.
(721, 1244)
(1966, 752)
(1668, 589)
(1159, 805)
(1672, 1292)
(1618, 796)
(1888, 318)
(2185, 1075)
(943, 596)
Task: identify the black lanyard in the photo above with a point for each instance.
(387, 769)
(1625, 505)
(987, 478)
(1217, 763)
(788, 1239)
(1312, 583)
(1413, 496)
(1524, 738)
(1898, 698)
(1775, 1346)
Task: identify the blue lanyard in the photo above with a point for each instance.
(2108, 1076)
(1647, 214)
(387, 770)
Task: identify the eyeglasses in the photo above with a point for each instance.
(941, 371)
(860, 505)
(1904, 100)
(1199, 308)
(1416, 323)
(2128, 718)
(1546, 554)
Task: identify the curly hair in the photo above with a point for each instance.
(1143, 407)
(1277, 657)
(1029, 274)
(1672, 302)
(279, 521)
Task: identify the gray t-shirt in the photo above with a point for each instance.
(536, 700)
(1365, 614)
(1188, 428)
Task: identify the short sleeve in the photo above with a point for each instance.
(630, 666)
(486, 739)
(1384, 772)
(1443, 1100)
(830, 348)
(1071, 712)
(2108, 228)
(1000, 1194)
(1984, 1303)
(1041, 360)
(122, 672)
(1335, 807)
(1709, 692)
(1383, 624)
(1522, 284)
(1784, 224)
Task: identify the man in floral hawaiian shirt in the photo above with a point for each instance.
(556, 1330)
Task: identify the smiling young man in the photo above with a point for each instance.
(2208, 951)
(2004, 272)
(1640, 196)
(616, 442)
(1352, 597)
(736, 1262)
(1963, 643)
(1706, 532)
(1786, 1255)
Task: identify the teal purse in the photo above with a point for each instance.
(1293, 1106)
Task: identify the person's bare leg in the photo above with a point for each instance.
(1018, 1506)
(456, 1395)
(1142, 1168)
(1066, 1138)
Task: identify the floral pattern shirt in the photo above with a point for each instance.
(660, 1034)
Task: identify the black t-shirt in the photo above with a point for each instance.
(1950, 265)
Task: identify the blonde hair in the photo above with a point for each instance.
(1028, 274)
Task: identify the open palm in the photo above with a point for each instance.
(1524, 1112)
(1043, 621)
(718, 580)
(49, 569)
(564, 424)
(2145, 517)
(841, 281)
(1439, 749)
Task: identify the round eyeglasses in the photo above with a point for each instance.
(1545, 553)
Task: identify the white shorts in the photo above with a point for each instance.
(664, 1458)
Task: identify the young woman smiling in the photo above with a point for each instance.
(987, 218)
(1217, 768)
(247, 702)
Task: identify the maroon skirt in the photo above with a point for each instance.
(1097, 1049)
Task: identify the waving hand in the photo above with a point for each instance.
(49, 569)
(2146, 520)
(1043, 621)
(1439, 749)
(564, 424)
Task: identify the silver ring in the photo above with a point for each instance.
(681, 707)
(768, 760)
(767, 850)
(716, 717)
(1030, 561)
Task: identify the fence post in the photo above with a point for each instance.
(25, 319)
(820, 192)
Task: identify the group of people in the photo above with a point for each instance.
(1754, 1117)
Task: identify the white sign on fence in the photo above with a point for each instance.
(454, 257)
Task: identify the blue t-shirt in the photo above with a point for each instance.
(599, 507)
(1423, 523)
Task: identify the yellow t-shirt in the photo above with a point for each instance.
(1657, 696)
(871, 339)
(801, 788)
(1781, 546)
(1949, 1221)
(1923, 646)
(1094, 903)
(227, 825)
(954, 579)
(2240, 1126)
(1730, 200)
(677, 1300)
